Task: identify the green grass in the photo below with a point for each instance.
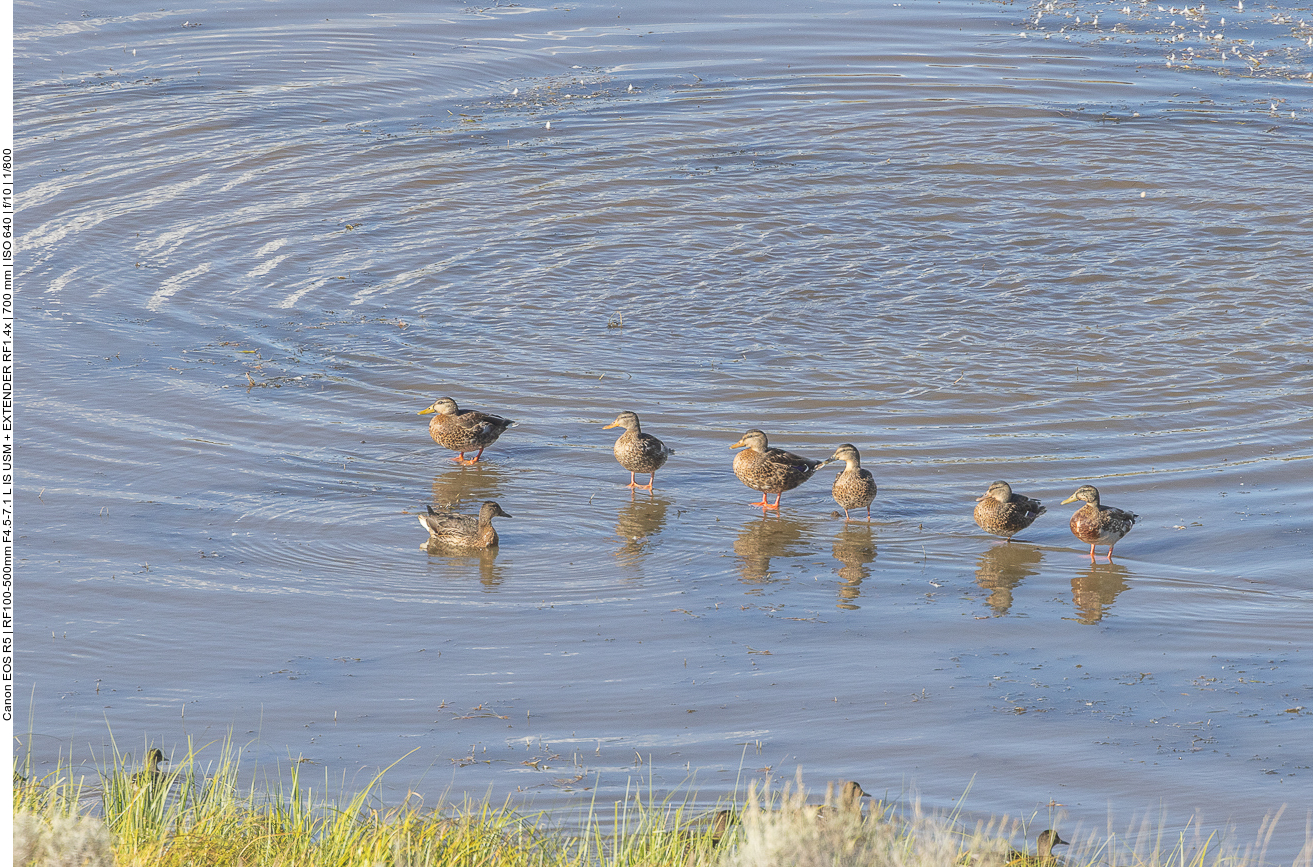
(199, 814)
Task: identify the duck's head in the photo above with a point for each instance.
(753, 439)
(491, 510)
(154, 758)
(847, 452)
(1048, 839)
(1088, 493)
(1000, 491)
(852, 791)
(442, 406)
(626, 420)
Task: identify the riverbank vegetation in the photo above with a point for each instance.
(194, 814)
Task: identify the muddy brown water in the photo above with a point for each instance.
(1054, 244)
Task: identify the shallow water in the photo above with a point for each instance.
(976, 240)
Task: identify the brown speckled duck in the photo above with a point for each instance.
(849, 800)
(1004, 513)
(771, 471)
(453, 530)
(1097, 524)
(464, 430)
(699, 843)
(1043, 856)
(854, 488)
(638, 452)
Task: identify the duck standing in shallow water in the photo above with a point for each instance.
(453, 530)
(854, 488)
(638, 452)
(771, 471)
(1004, 513)
(464, 430)
(1096, 524)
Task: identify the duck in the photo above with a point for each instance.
(463, 531)
(638, 452)
(464, 430)
(848, 803)
(151, 772)
(1004, 513)
(771, 471)
(1098, 524)
(854, 488)
(700, 845)
(1043, 851)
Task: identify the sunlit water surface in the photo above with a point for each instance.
(1056, 244)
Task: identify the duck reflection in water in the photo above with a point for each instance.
(854, 547)
(470, 484)
(637, 522)
(1095, 589)
(760, 540)
(1001, 568)
(461, 564)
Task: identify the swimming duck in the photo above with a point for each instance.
(1004, 513)
(1096, 524)
(464, 431)
(1043, 851)
(771, 471)
(151, 773)
(638, 452)
(463, 531)
(854, 488)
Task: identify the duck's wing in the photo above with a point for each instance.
(788, 462)
(1115, 518)
(651, 447)
(1027, 505)
(481, 424)
(449, 523)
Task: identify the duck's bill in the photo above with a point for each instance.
(739, 445)
(1070, 499)
(426, 411)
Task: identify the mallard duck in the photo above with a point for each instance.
(638, 452)
(151, 772)
(700, 844)
(1096, 524)
(1010, 857)
(854, 488)
(771, 471)
(1043, 851)
(1004, 513)
(463, 531)
(464, 431)
(848, 802)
